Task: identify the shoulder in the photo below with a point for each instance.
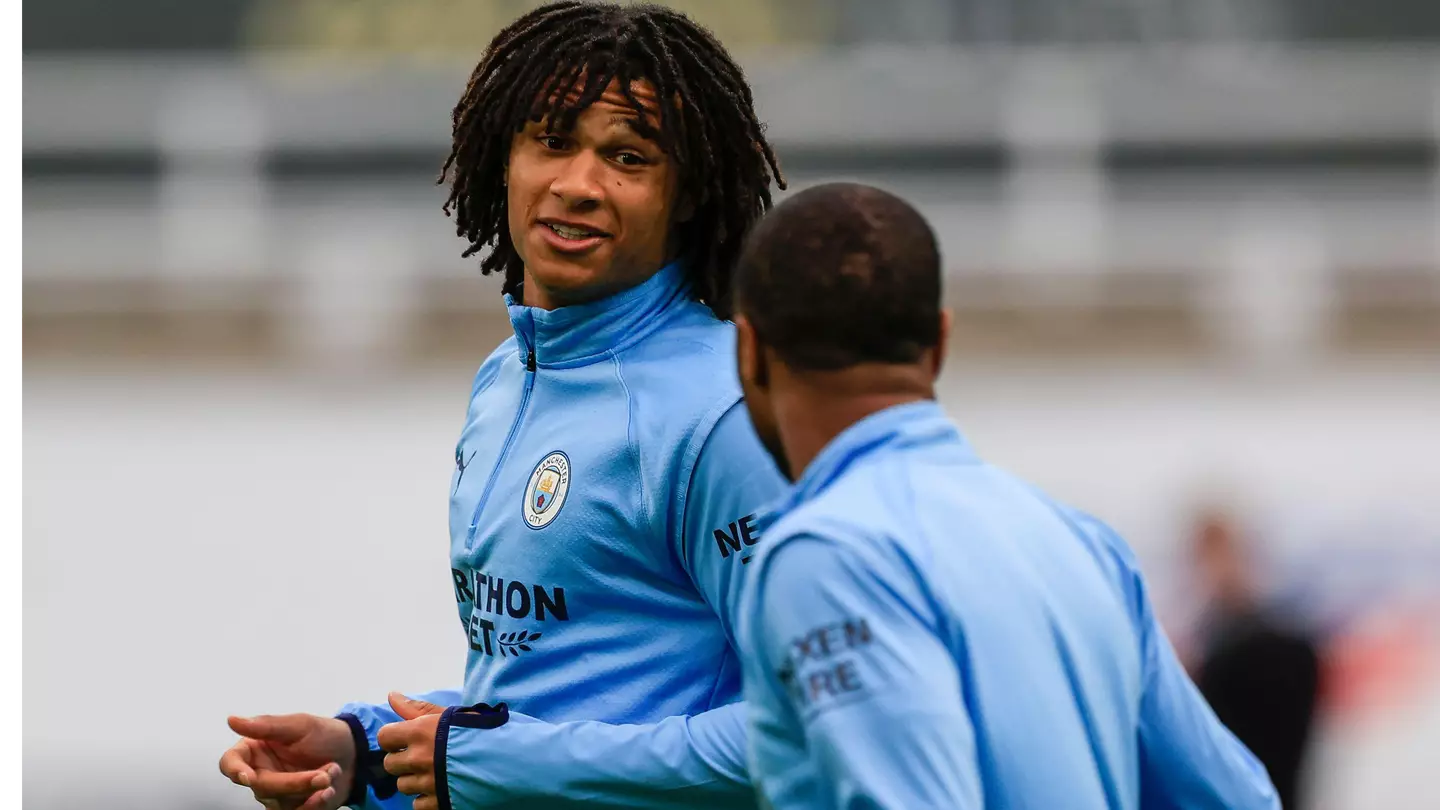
(1101, 540)
(693, 358)
(894, 514)
(870, 510)
(847, 522)
(817, 576)
(681, 381)
(490, 368)
(800, 564)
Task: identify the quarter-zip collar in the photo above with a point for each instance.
(581, 334)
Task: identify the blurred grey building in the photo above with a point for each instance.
(1251, 178)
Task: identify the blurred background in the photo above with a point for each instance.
(1193, 249)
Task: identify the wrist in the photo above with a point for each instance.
(353, 783)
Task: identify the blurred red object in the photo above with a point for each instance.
(1377, 664)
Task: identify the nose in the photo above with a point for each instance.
(578, 182)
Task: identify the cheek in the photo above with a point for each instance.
(517, 214)
(645, 211)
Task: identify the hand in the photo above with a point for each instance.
(292, 761)
(412, 749)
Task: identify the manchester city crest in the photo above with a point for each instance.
(545, 493)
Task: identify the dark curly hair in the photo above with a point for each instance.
(530, 73)
(842, 274)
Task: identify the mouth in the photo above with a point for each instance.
(570, 237)
(570, 230)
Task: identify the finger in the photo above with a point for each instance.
(398, 736)
(411, 709)
(324, 778)
(416, 784)
(427, 802)
(392, 737)
(236, 766)
(298, 785)
(399, 764)
(320, 800)
(283, 728)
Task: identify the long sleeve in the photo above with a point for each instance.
(696, 761)
(851, 654)
(734, 480)
(1188, 758)
(680, 762)
(365, 721)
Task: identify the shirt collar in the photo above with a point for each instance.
(898, 427)
(583, 333)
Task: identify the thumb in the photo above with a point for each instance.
(284, 728)
(411, 709)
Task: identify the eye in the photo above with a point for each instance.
(554, 143)
(631, 159)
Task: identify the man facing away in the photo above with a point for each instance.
(922, 629)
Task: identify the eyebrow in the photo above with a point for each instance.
(626, 121)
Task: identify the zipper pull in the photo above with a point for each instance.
(530, 361)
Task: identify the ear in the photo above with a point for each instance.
(750, 354)
(942, 347)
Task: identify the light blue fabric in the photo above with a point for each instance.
(601, 515)
(922, 629)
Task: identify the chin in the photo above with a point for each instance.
(566, 278)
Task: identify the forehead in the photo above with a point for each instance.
(613, 105)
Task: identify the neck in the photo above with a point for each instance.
(537, 295)
(540, 296)
(820, 405)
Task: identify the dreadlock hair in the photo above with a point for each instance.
(530, 73)
(842, 274)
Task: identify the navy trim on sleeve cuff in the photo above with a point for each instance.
(442, 777)
(369, 769)
(358, 783)
(482, 716)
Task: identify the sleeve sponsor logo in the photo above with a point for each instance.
(737, 537)
(820, 666)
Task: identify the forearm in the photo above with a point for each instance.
(371, 787)
(681, 762)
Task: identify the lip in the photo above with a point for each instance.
(560, 244)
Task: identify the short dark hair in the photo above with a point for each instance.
(530, 72)
(841, 274)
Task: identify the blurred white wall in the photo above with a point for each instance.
(199, 544)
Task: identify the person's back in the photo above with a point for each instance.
(922, 629)
(1051, 660)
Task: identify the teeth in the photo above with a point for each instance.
(570, 233)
